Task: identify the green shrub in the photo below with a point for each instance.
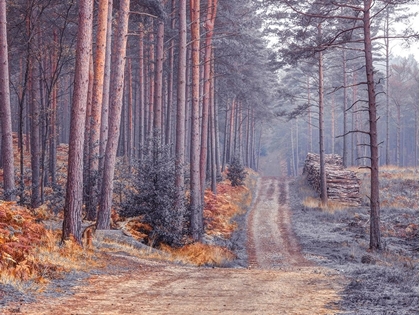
(236, 172)
(154, 195)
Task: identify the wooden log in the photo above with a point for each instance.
(342, 185)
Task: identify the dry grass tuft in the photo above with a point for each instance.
(200, 254)
(399, 186)
(331, 206)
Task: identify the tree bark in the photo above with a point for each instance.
(130, 116)
(103, 137)
(104, 213)
(169, 105)
(74, 194)
(375, 233)
(151, 84)
(96, 111)
(90, 211)
(5, 111)
(181, 105)
(323, 179)
(214, 165)
(345, 153)
(142, 129)
(158, 82)
(53, 122)
(209, 27)
(387, 75)
(34, 134)
(195, 185)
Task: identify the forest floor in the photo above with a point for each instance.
(299, 260)
(278, 280)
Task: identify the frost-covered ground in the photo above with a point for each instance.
(378, 283)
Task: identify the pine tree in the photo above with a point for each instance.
(236, 172)
(155, 195)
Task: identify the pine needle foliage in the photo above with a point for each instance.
(154, 194)
(236, 172)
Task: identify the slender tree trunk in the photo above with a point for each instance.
(355, 125)
(151, 84)
(259, 149)
(323, 177)
(216, 128)
(103, 137)
(399, 151)
(375, 235)
(386, 33)
(96, 111)
(345, 153)
(225, 138)
(104, 213)
(333, 124)
(212, 134)
(209, 26)
(158, 82)
(170, 106)
(22, 102)
(231, 146)
(142, 91)
(91, 213)
(74, 194)
(181, 105)
(292, 142)
(130, 117)
(240, 134)
(35, 136)
(5, 111)
(53, 123)
(195, 185)
(297, 146)
(310, 147)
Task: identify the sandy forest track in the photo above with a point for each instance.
(279, 280)
(271, 241)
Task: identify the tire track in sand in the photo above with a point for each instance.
(272, 243)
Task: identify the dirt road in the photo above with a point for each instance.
(279, 279)
(271, 241)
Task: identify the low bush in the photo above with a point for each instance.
(236, 172)
(154, 196)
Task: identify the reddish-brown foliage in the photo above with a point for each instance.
(19, 235)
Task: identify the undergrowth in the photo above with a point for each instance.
(219, 212)
(32, 254)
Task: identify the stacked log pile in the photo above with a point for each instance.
(342, 185)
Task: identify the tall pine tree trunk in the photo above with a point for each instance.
(117, 82)
(181, 105)
(323, 177)
(345, 153)
(195, 184)
(5, 111)
(158, 81)
(209, 26)
(375, 234)
(96, 111)
(103, 137)
(34, 134)
(74, 194)
(151, 85)
(142, 92)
